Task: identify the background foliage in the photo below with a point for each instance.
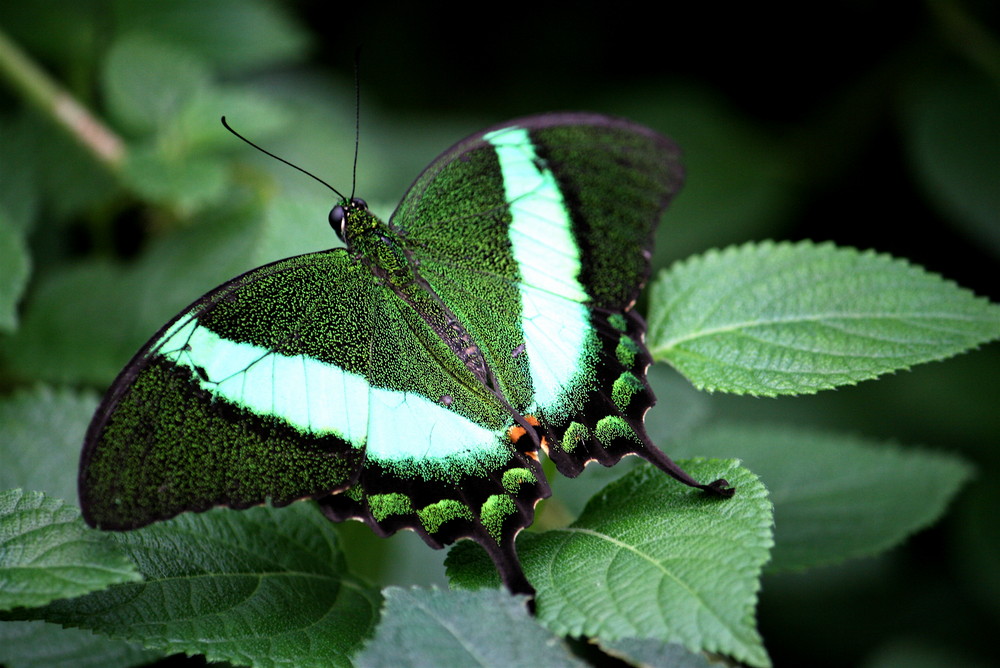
(872, 125)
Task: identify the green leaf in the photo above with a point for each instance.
(654, 653)
(950, 124)
(836, 497)
(650, 558)
(433, 628)
(58, 171)
(188, 182)
(71, 331)
(47, 553)
(19, 188)
(46, 420)
(16, 265)
(148, 81)
(251, 114)
(780, 318)
(258, 587)
(85, 322)
(235, 35)
(41, 645)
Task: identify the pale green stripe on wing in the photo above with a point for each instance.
(557, 334)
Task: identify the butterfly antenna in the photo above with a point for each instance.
(357, 116)
(276, 157)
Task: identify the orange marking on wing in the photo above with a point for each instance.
(516, 432)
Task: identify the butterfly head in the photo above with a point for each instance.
(347, 215)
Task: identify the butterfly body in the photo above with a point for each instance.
(409, 379)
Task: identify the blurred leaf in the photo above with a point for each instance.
(233, 35)
(295, 223)
(19, 188)
(77, 328)
(402, 559)
(434, 628)
(654, 653)
(253, 114)
(976, 547)
(85, 322)
(187, 182)
(69, 180)
(738, 183)
(770, 319)
(679, 408)
(921, 653)
(650, 558)
(47, 553)
(41, 645)
(952, 125)
(16, 265)
(256, 587)
(147, 82)
(835, 496)
(34, 27)
(41, 433)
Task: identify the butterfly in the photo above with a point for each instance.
(410, 378)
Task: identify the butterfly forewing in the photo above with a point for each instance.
(559, 251)
(235, 401)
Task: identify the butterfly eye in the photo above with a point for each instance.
(360, 203)
(337, 218)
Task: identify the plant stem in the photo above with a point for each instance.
(39, 89)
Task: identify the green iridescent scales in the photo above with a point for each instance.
(410, 379)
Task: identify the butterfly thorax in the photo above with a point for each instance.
(383, 252)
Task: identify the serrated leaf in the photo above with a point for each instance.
(41, 431)
(41, 645)
(16, 265)
(431, 627)
(650, 558)
(781, 318)
(258, 587)
(47, 553)
(836, 496)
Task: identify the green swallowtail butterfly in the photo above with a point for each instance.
(410, 379)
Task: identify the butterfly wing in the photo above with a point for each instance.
(539, 231)
(302, 379)
(212, 411)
